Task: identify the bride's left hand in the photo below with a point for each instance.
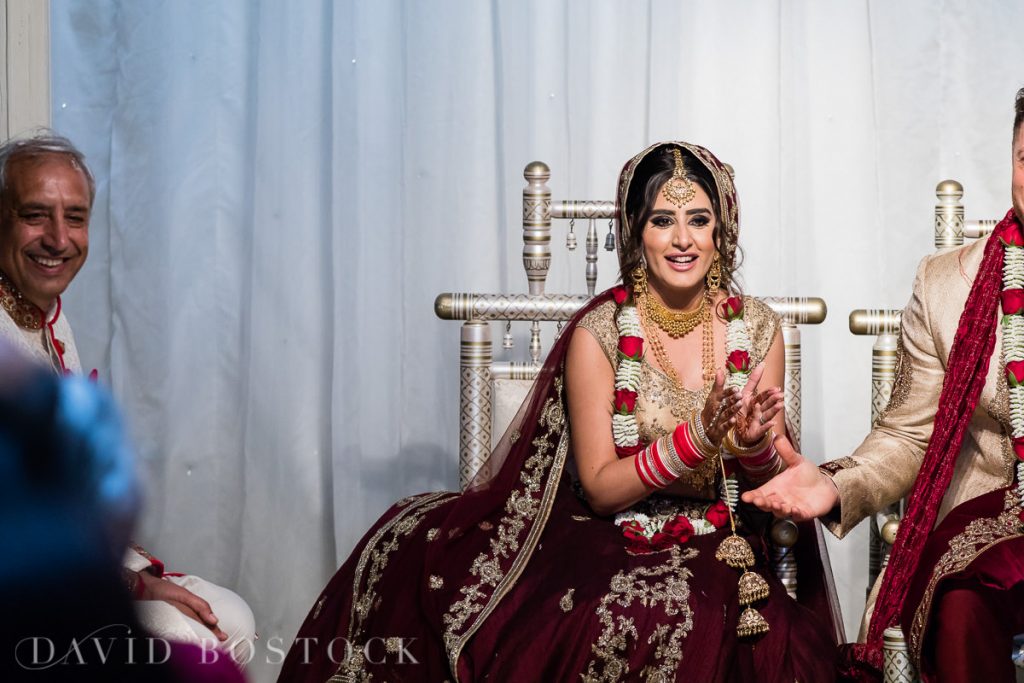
(757, 409)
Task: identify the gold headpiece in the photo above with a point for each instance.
(679, 189)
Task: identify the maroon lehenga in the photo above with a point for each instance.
(516, 579)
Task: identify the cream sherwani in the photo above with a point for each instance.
(883, 468)
(37, 345)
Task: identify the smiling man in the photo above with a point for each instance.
(46, 195)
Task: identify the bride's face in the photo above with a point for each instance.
(679, 245)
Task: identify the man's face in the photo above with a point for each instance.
(1017, 190)
(44, 226)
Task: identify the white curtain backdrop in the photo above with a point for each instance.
(285, 187)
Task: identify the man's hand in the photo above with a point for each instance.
(801, 492)
(190, 604)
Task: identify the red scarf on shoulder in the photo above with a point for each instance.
(965, 376)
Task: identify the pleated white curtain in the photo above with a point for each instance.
(284, 187)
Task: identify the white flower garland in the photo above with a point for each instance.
(736, 339)
(654, 525)
(1013, 349)
(625, 431)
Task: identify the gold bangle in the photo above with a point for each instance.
(675, 464)
(730, 444)
(700, 438)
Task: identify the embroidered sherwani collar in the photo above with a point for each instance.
(25, 314)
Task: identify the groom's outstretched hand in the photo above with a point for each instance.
(802, 491)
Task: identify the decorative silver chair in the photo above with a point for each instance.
(950, 231)
(491, 391)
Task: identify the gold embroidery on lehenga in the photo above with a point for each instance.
(540, 476)
(436, 582)
(432, 533)
(566, 602)
(977, 537)
(372, 561)
(665, 584)
(319, 606)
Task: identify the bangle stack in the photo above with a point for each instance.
(706, 445)
(759, 462)
(668, 458)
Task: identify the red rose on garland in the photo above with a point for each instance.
(732, 308)
(662, 541)
(620, 294)
(1015, 373)
(631, 347)
(633, 530)
(738, 361)
(639, 547)
(1012, 236)
(717, 514)
(625, 401)
(1012, 300)
(679, 528)
(626, 451)
(1018, 447)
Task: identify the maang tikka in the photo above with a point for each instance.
(679, 189)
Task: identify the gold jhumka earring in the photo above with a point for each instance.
(714, 276)
(639, 276)
(679, 189)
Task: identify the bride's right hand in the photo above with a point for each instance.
(720, 409)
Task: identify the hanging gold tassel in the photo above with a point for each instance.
(735, 552)
(753, 587)
(751, 623)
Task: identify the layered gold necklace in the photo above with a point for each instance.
(655, 317)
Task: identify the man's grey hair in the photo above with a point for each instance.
(41, 142)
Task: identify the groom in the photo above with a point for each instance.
(953, 582)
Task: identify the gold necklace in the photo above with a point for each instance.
(25, 313)
(675, 323)
(707, 341)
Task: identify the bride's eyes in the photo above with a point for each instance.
(662, 221)
(700, 221)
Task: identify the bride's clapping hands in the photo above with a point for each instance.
(757, 409)
(720, 410)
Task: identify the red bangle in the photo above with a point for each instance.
(685, 447)
(759, 459)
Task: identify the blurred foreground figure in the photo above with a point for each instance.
(68, 498)
(46, 196)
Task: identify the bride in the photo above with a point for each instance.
(601, 541)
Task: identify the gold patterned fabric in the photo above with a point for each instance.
(886, 463)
